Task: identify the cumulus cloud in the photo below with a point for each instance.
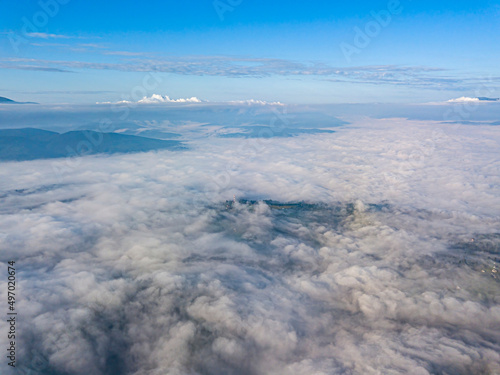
(466, 99)
(159, 99)
(463, 99)
(156, 99)
(36, 68)
(173, 263)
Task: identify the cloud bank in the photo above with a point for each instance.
(156, 99)
(161, 99)
(463, 99)
(466, 99)
(155, 264)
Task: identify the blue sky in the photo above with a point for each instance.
(289, 51)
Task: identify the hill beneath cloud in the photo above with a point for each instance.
(4, 100)
(31, 144)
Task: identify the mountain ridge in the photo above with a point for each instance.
(31, 144)
(4, 100)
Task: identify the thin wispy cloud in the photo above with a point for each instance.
(87, 47)
(48, 36)
(46, 44)
(68, 92)
(222, 66)
(92, 45)
(123, 53)
(36, 68)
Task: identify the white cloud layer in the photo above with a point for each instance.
(135, 264)
(463, 99)
(157, 99)
(466, 99)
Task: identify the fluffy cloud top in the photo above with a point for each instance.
(466, 99)
(138, 264)
(463, 99)
(158, 99)
(155, 98)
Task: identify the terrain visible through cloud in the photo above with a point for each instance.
(365, 251)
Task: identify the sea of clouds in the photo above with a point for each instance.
(172, 263)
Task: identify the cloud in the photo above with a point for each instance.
(123, 53)
(224, 66)
(157, 99)
(463, 99)
(466, 99)
(160, 99)
(47, 36)
(83, 47)
(45, 44)
(155, 263)
(36, 68)
(92, 45)
(254, 102)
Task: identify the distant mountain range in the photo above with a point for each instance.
(484, 99)
(4, 100)
(31, 144)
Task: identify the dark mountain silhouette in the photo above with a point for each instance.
(4, 100)
(30, 144)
